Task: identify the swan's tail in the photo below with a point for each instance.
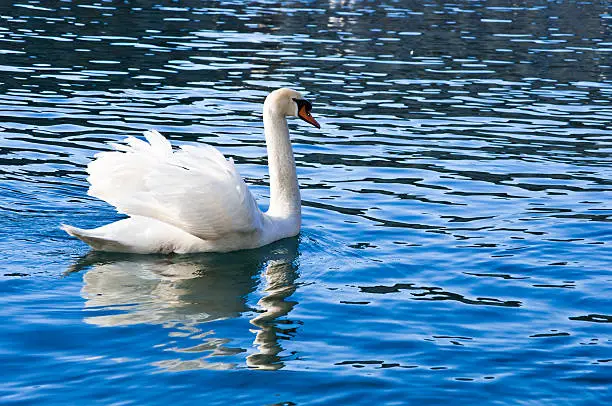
(93, 239)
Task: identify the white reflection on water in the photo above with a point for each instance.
(183, 293)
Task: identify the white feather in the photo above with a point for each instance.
(194, 188)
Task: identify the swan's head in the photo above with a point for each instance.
(290, 103)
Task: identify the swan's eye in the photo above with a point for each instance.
(303, 103)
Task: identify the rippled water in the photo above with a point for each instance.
(456, 233)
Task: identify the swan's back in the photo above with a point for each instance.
(193, 188)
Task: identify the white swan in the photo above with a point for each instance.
(193, 199)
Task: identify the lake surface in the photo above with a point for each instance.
(456, 240)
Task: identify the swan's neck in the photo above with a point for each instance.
(285, 198)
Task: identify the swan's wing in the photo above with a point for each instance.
(194, 188)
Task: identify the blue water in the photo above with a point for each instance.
(456, 241)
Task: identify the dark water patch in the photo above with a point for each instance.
(436, 293)
(543, 335)
(593, 318)
(492, 275)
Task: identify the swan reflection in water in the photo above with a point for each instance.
(185, 292)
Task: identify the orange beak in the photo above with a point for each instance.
(306, 116)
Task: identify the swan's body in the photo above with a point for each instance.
(193, 199)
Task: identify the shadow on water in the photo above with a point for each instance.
(183, 292)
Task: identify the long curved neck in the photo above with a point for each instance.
(285, 200)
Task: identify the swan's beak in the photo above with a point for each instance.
(305, 115)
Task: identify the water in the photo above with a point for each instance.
(456, 202)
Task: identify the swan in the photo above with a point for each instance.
(193, 199)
